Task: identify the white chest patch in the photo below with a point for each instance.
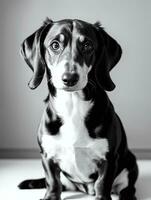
(72, 148)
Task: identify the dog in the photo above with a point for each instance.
(82, 140)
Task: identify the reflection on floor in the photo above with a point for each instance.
(13, 171)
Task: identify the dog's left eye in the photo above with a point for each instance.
(55, 46)
(87, 47)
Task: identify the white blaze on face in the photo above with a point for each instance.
(57, 71)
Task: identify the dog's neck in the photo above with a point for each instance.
(71, 108)
(80, 106)
(68, 104)
(70, 100)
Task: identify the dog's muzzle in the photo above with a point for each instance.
(70, 79)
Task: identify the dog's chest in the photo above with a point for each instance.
(72, 147)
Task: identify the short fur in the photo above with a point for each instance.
(82, 140)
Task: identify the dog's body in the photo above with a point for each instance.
(83, 143)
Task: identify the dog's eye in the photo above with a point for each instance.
(55, 46)
(87, 47)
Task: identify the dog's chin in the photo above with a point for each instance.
(71, 89)
(74, 88)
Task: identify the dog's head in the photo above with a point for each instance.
(71, 52)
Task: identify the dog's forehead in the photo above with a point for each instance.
(83, 28)
(71, 28)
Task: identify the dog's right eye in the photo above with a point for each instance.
(55, 46)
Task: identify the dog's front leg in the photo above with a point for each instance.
(106, 174)
(53, 184)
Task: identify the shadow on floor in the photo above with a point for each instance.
(143, 188)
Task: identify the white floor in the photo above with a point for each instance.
(12, 172)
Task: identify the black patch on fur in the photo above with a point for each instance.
(46, 100)
(78, 58)
(51, 88)
(94, 176)
(98, 117)
(33, 184)
(86, 30)
(52, 126)
(67, 175)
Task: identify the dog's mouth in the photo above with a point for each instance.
(70, 89)
(76, 85)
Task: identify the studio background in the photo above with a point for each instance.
(21, 108)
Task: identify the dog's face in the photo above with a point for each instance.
(69, 51)
(70, 48)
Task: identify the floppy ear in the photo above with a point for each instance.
(109, 52)
(32, 51)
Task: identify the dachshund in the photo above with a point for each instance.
(82, 141)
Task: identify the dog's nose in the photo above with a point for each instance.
(70, 79)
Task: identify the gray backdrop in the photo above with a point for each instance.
(127, 21)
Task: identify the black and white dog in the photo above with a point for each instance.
(82, 140)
